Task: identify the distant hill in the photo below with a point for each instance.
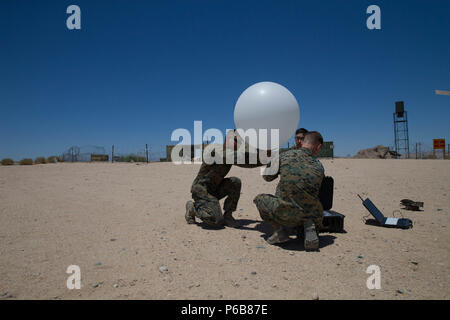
(378, 152)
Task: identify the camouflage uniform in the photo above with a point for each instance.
(210, 186)
(297, 196)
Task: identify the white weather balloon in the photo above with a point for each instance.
(267, 105)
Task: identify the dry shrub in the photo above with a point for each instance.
(7, 162)
(26, 162)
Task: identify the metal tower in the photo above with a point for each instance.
(401, 134)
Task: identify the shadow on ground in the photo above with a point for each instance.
(373, 222)
(294, 244)
(297, 244)
(208, 227)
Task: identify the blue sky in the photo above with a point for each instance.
(137, 70)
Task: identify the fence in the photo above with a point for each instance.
(156, 153)
(420, 150)
(82, 154)
(147, 153)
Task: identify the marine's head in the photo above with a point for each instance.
(313, 140)
(300, 137)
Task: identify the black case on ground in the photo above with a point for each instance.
(326, 193)
(332, 220)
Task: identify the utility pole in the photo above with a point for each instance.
(112, 154)
(146, 151)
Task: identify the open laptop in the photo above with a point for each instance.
(402, 223)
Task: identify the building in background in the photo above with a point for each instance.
(327, 150)
(85, 154)
(195, 152)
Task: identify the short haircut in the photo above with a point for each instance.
(314, 138)
(301, 130)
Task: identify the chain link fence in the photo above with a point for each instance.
(420, 150)
(83, 153)
(116, 153)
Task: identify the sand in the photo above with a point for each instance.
(121, 222)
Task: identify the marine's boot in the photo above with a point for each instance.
(280, 235)
(230, 221)
(311, 238)
(190, 212)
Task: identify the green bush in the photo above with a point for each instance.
(40, 160)
(7, 162)
(26, 161)
(59, 159)
(52, 159)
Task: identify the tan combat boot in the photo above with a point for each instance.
(230, 221)
(280, 235)
(311, 239)
(190, 212)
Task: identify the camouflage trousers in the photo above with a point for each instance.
(276, 211)
(206, 202)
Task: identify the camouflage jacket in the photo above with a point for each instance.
(212, 174)
(301, 176)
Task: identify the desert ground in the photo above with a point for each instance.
(123, 225)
